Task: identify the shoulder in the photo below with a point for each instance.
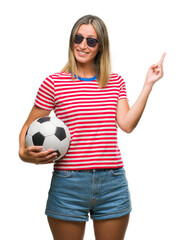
(116, 77)
(59, 75)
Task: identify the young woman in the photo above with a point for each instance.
(91, 101)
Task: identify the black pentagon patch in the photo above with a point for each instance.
(38, 139)
(58, 153)
(60, 133)
(43, 119)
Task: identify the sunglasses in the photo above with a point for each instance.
(91, 42)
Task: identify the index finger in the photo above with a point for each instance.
(162, 58)
(34, 148)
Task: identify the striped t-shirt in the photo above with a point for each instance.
(90, 114)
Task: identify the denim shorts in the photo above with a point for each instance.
(102, 193)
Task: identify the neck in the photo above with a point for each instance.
(86, 70)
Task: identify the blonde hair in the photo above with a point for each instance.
(102, 64)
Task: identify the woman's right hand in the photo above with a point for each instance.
(34, 155)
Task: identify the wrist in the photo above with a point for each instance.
(148, 86)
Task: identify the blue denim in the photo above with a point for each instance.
(74, 194)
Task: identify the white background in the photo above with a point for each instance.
(34, 43)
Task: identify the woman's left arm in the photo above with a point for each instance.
(128, 118)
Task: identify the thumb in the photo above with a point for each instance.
(154, 66)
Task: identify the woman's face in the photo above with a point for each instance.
(82, 52)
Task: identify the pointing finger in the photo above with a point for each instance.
(162, 58)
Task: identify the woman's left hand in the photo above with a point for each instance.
(155, 72)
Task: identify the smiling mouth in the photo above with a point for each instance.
(83, 53)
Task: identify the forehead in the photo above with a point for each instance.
(87, 30)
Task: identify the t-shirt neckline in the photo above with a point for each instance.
(85, 79)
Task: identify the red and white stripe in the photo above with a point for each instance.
(90, 114)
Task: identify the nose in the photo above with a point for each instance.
(83, 44)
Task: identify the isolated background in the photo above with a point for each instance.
(34, 43)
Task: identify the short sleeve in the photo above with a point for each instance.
(45, 95)
(123, 91)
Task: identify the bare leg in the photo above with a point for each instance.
(111, 229)
(66, 230)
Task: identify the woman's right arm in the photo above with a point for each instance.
(34, 154)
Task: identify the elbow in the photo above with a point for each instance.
(126, 127)
(20, 153)
(128, 130)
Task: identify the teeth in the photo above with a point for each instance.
(82, 52)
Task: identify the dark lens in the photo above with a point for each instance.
(78, 39)
(91, 42)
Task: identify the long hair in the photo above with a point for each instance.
(102, 64)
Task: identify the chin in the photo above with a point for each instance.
(83, 59)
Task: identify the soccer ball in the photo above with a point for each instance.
(49, 132)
